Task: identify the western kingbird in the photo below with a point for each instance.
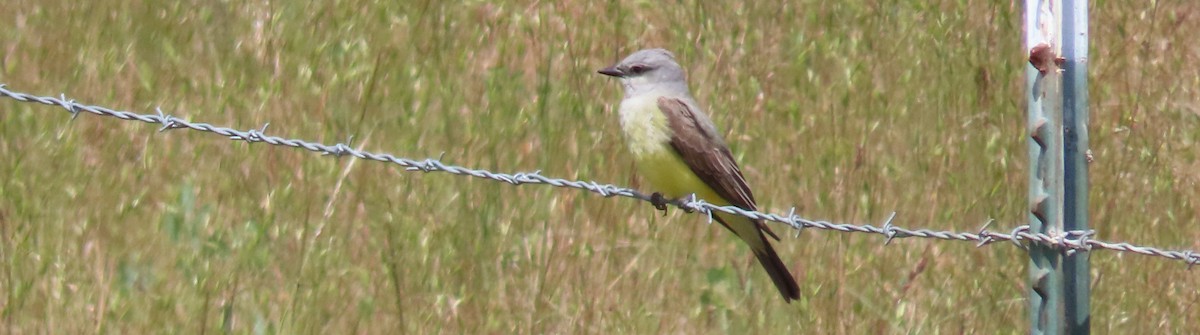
(680, 152)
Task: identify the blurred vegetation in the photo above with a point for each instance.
(848, 110)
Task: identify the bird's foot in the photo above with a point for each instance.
(659, 202)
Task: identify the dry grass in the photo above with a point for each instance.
(846, 110)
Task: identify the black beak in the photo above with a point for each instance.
(612, 71)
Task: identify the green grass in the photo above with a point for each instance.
(846, 110)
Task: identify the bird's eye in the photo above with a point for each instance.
(638, 69)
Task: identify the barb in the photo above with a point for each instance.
(1073, 241)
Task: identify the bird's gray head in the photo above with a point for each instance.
(646, 69)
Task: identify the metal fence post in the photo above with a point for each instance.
(1075, 141)
(1057, 120)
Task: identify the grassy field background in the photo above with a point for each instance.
(847, 110)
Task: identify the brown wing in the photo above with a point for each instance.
(708, 157)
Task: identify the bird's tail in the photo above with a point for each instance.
(777, 270)
(752, 232)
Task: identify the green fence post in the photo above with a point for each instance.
(1045, 164)
(1075, 141)
(1057, 122)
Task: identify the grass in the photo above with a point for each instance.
(846, 110)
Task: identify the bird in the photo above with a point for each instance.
(680, 152)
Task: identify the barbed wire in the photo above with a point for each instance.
(1068, 242)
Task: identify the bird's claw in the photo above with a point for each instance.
(659, 202)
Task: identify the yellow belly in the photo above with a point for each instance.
(669, 175)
